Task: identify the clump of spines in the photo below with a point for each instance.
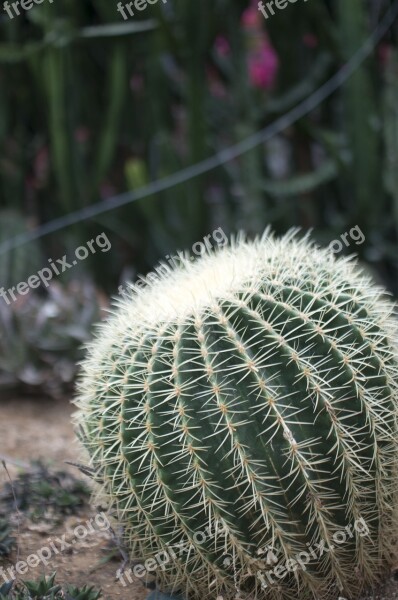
(251, 393)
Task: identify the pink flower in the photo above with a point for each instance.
(137, 83)
(384, 52)
(216, 86)
(251, 17)
(41, 166)
(107, 190)
(222, 45)
(263, 66)
(310, 40)
(82, 134)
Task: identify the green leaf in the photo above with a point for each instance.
(303, 184)
(391, 132)
(361, 117)
(14, 53)
(117, 29)
(116, 85)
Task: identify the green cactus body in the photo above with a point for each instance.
(247, 402)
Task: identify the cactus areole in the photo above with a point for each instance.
(241, 407)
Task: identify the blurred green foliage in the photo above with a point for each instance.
(92, 105)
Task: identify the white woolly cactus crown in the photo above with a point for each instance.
(244, 401)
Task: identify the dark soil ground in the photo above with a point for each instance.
(32, 429)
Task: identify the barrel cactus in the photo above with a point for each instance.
(240, 414)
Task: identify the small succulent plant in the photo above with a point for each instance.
(156, 595)
(249, 401)
(84, 593)
(5, 589)
(45, 588)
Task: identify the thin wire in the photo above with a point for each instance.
(222, 157)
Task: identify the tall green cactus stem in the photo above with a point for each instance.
(244, 402)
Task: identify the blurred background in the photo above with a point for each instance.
(94, 105)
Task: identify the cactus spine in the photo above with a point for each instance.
(243, 403)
